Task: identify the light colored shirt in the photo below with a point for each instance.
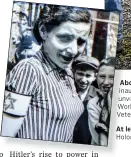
(55, 106)
(84, 94)
(94, 109)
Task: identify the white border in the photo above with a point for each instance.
(80, 3)
(116, 148)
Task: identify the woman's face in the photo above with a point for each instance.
(64, 42)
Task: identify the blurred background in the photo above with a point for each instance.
(123, 60)
(101, 43)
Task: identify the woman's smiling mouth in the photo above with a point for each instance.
(66, 58)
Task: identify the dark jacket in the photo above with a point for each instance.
(81, 133)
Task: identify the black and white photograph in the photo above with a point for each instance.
(60, 73)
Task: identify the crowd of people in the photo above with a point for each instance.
(52, 95)
(93, 125)
(22, 41)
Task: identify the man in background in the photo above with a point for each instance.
(99, 108)
(84, 69)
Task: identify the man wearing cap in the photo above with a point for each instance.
(85, 69)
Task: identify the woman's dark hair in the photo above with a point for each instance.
(53, 15)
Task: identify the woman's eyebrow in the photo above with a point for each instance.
(82, 31)
(65, 35)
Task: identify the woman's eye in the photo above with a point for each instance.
(65, 38)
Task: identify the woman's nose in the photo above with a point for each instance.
(73, 48)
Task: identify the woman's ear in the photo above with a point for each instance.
(42, 31)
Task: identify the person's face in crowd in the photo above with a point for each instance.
(105, 78)
(15, 16)
(24, 20)
(65, 42)
(15, 34)
(83, 79)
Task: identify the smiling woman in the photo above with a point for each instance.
(46, 80)
(67, 40)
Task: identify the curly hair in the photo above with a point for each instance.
(53, 15)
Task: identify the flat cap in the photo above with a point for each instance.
(86, 61)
